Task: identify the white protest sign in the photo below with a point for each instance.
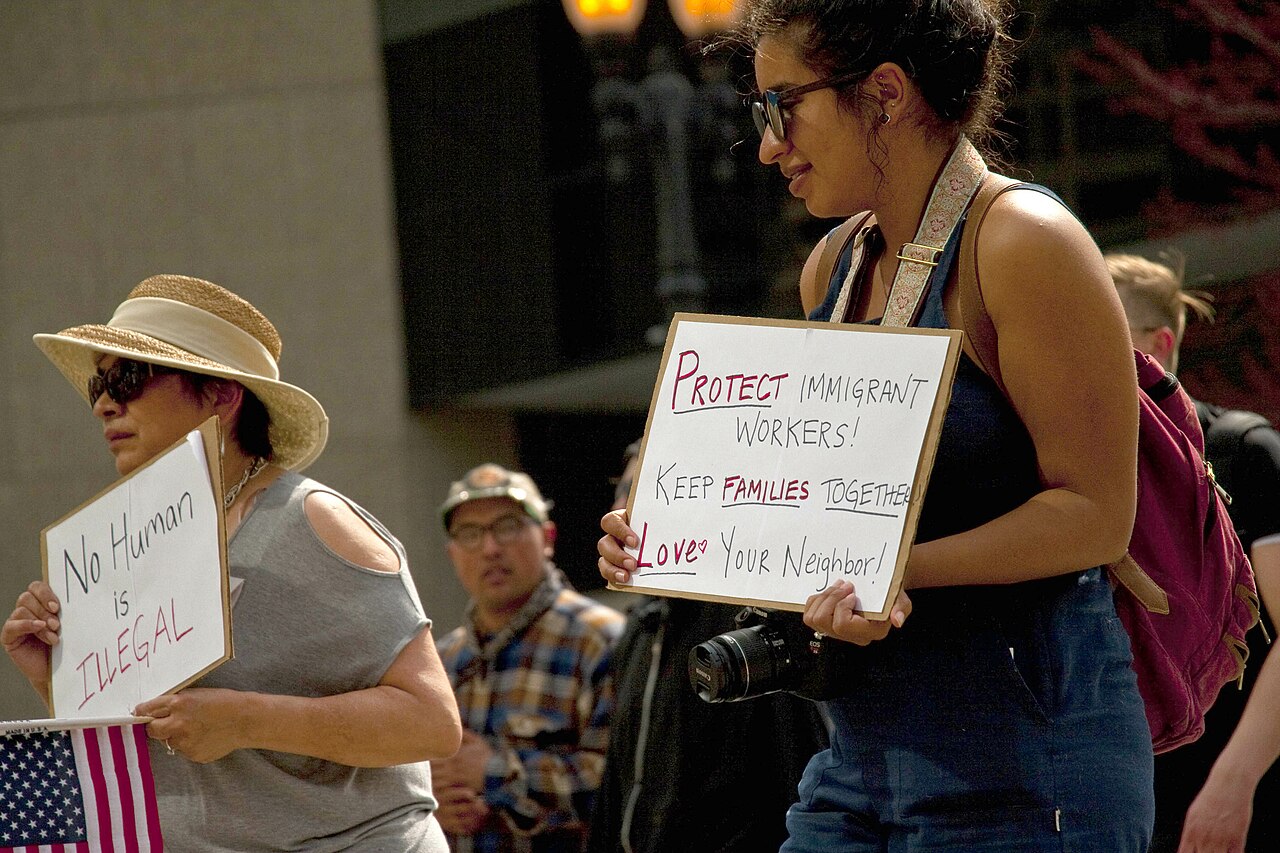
(141, 573)
(782, 456)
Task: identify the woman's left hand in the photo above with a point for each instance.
(615, 564)
(199, 722)
(831, 612)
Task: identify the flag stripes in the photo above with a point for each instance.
(85, 791)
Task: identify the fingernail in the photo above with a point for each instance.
(53, 605)
(633, 542)
(620, 577)
(898, 619)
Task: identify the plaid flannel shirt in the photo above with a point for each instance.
(540, 693)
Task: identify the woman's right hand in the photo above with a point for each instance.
(30, 630)
(834, 612)
(616, 565)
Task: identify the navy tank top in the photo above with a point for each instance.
(985, 467)
(986, 462)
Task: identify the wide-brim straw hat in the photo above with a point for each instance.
(197, 326)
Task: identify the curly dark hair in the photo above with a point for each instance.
(956, 51)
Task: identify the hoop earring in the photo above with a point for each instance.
(885, 118)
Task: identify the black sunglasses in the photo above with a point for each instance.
(125, 380)
(770, 110)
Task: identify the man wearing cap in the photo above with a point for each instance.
(529, 669)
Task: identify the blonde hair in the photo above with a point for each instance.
(1152, 293)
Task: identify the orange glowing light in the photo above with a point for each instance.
(593, 17)
(699, 18)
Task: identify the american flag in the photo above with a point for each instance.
(80, 791)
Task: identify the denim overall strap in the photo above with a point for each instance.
(859, 246)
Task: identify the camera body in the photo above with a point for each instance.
(771, 651)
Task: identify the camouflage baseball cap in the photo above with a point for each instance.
(491, 480)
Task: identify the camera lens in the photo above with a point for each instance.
(739, 665)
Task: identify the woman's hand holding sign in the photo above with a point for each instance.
(30, 630)
(616, 565)
(831, 612)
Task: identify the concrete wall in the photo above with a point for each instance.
(242, 141)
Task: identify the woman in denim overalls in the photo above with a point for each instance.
(1004, 715)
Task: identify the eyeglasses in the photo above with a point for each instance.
(771, 109)
(124, 381)
(505, 530)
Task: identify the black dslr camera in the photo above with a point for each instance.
(771, 651)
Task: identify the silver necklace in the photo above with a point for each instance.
(249, 473)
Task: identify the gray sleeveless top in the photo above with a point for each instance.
(307, 623)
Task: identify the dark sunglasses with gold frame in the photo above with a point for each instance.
(125, 380)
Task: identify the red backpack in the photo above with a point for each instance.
(1185, 590)
(1187, 629)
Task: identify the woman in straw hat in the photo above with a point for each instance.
(316, 735)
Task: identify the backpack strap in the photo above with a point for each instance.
(978, 328)
(974, 318)
(1141, 585)
(1205, 413)
(982, 335)
(1224, 439)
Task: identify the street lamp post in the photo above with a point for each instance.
(664, 107)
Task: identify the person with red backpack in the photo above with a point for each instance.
(1216, 782)
(998, 710)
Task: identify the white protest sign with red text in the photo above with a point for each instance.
(141, 574)
(782, 456)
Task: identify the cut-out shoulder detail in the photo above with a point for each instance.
(344, 532)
